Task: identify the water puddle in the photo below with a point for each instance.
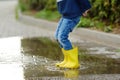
(34, 59)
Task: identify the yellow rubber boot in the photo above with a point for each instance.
(72, 59)
(64, 61)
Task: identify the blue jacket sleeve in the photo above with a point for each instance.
(84, 5)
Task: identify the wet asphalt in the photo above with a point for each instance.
(25, 58)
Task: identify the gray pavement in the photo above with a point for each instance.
(14, 63)
(10, 27)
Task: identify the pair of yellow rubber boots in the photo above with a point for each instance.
(70, 59)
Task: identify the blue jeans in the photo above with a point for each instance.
(65, 26)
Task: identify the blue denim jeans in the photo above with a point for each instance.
(65, 26)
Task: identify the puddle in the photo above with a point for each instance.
(34, 59)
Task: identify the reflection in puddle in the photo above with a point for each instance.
(34, 59)
(71, 74)
(104, 51)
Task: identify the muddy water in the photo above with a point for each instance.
(34, 59)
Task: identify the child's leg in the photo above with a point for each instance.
(65, 28)
(57, 31)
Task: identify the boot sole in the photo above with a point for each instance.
(69, 68)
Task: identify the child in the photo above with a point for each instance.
(71, 11)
